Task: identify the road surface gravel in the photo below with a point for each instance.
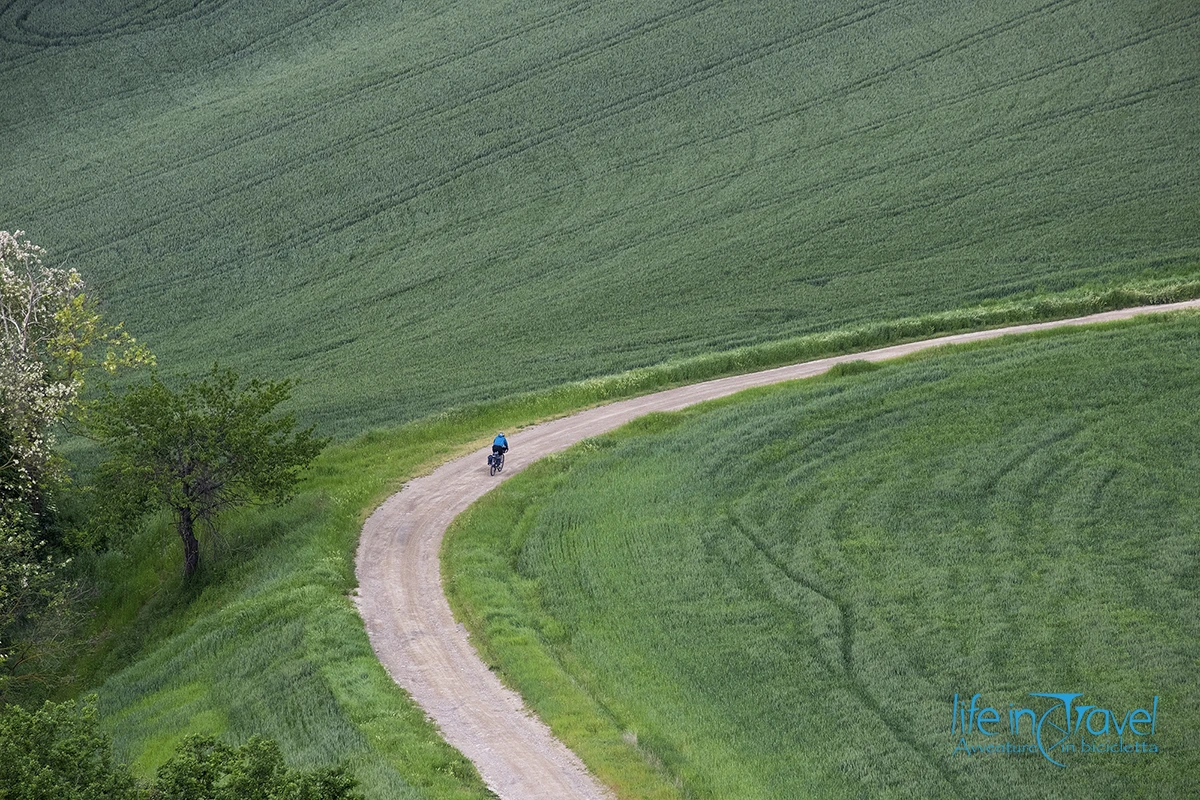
(416, 637)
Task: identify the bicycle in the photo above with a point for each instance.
(496, 462)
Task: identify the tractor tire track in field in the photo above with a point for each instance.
(489, 157)
(849, 672)
(15, 28)
(403, 195)
(391, 81)
(485, 158)
(428, 653)
(133, 20)
(288, 120)
(515, 147)
(875, 170)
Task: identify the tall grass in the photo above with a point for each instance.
(777, 595)
(266, 640)
(415, 206)
(1035, 307)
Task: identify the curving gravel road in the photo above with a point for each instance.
(408, 619)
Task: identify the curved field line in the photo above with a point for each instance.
(390, 81)
(487, 157)
(490, 156)
(284, 122)
(877, 169)
(409, 621)
(133, 20)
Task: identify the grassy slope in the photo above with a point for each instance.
(173, 659)
(345, 191)
(777, 596)
(267, 641)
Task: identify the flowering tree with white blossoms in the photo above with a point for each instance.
(51, 334)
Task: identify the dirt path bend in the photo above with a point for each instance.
(408, 619)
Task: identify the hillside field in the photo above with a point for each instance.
(499, 208)
(268, 642)
(778, 595)
(412, 205)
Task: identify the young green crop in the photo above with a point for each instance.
(778, 595)
(420, 205)
(426, 205)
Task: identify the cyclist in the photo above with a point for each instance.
(499, 444)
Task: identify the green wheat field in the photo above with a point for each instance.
(451, 217)
(778, 596)
(414, 205)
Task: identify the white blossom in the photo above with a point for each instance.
(48, 328)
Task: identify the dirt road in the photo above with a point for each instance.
(428, 653)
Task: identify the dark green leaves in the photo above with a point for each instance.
(211, 445)
(60, 752)
(204, 768)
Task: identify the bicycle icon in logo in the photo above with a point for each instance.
(1048, 726)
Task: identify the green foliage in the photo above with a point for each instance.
(778, 595)
(333, 203)
(59, 752)
(14, 493)
(51, 336)
(211, 446)
(205, 769)
(39, 609)
(278, 618)
(347, 192)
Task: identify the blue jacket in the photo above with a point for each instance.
(500, 441)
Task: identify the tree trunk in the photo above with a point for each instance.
(191, 547)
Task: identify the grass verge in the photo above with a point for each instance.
(1041, 307)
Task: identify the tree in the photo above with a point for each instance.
(60, 752)
(51, 336)
(211, 446)
(202, 767)
(38, 609)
